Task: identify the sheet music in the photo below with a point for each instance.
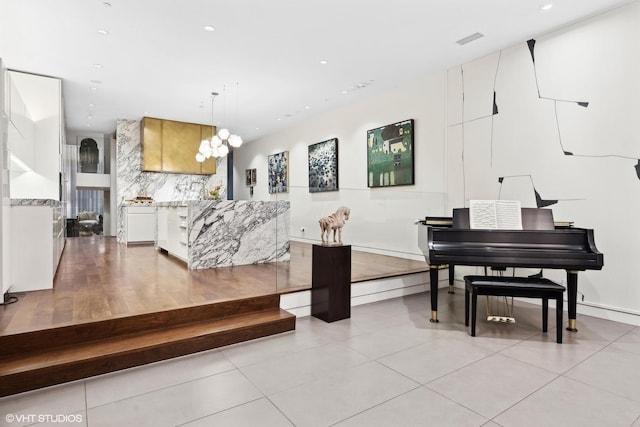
(495, 214)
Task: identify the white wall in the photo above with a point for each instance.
(597, 187)
(5, 202)
(42, 99)
(381, 218)
(462, 149)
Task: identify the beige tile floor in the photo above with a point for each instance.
(385, 366)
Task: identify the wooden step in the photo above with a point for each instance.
(72, 352)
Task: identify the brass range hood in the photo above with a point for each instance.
(168, 146)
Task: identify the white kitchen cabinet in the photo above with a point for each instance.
(141, 224)
(173, 230)
(33, 266)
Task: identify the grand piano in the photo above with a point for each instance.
(540, 244)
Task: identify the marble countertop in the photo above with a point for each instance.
(174, 203)
(36, 202)
(124, 204)
(201, 202)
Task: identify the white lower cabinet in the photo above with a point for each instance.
(141, 224)
(37, 241)
(173, 230)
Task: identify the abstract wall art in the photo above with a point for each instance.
(278, 172)
(323, 166)
(250, 177)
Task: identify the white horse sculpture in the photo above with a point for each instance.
(334, 222)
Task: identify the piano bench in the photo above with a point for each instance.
(522, 287)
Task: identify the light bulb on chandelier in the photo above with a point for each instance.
(224, 134)
(235, 141)
(218, 145)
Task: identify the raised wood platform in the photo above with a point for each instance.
(115, 306)
(41, 358)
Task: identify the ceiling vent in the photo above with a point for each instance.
(469, 39)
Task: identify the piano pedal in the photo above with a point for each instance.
(501, 319)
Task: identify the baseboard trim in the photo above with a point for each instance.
(299, 303)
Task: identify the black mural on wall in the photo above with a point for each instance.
(584, 104)
(540, 202)
(494, 112)
(532, 43)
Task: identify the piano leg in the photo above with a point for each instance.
(572, 297)
(433, 282)
(451, 276)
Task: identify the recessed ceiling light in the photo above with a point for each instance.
(94, 88)
(88, 125)
(102, 31)
(344, 91)
(469, 39)
(209, 28)
(307, 107)
(324, 61)
(90, 116)
(91, 105)
(98, 65)
(546, 6)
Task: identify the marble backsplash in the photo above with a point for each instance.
(132, 182)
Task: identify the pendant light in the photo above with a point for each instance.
(218, 145)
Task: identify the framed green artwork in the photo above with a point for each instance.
(390, 155)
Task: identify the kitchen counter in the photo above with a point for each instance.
(221, 233)
(33, 265)
(36, 202)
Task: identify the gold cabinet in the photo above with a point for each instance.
(209, 165)
(171, 146)
(151, 139)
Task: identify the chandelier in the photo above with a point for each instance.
(218, 145)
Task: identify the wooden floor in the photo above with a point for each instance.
(100, 279)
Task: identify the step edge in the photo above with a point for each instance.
(62, 351)
(72, 334)
(51, 375)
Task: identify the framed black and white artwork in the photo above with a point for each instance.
(323, 166)
(278, 172)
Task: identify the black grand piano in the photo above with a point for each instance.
(540, 244)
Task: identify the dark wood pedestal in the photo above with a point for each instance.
(331, 282)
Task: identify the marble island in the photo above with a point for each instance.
(221, 233)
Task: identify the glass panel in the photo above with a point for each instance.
(381, 221)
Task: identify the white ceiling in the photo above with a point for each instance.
(263, 57)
